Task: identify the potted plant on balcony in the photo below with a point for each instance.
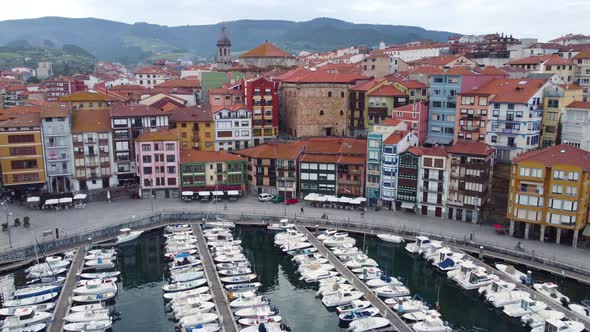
(16, 222)
(27, 221)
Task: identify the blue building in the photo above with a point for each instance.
(443, 107)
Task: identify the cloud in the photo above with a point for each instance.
(522, 18)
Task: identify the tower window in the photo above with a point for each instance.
(321, 112)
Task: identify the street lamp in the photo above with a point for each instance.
(7, 225)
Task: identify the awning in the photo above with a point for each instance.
(65, 200)
(233, 193)
(438, 140)
(321, 198)
(355, 201)
(344, 199)
(33, 199)
(332, 199)
(51, 201)
(80, 196)
(310, 197)
(217, 193)
(187, 193)
(586, 231)
(407, 205)
(204, 193)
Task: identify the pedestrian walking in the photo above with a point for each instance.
(301, 210)
(224, 206)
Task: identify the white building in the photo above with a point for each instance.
(148, 77)
(575, 125)
(433, 179)
(415, 52)
(582, 62)
(233, 127)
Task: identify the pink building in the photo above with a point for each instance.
(158, 157)
(416, 117)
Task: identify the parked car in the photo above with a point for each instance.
(277, 199)
(292, 201)
(264, 197)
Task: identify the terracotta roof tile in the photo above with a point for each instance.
(325, 77)
(471, 148)
(412, 84)
(556, 60)
(366, 86)
(386, 90)
(161, 135)
(585, 54)
(534, 59)
(83, 96)
(195, 113)
(231, 108)
(340, 145)
(517, 91)
(585, 105)
(135, 110)
(266, 50)
(180, 83)
(557, 155)
(392, 122)
(435, 60)
(395, 137)
(427, 70)
(91, 121)
(21, 120)
(284, 151)
(197, 156)
(437, 151)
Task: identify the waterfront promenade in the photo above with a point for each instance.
(100, 215)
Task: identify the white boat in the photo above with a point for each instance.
(305, 260)
(497, 286)
(326, 234)
(333, 289)
(172, 254)
(551, 290)
(282, 225)
(224, 224)
(186, 293)
(341, 298)
(387, 237)
(475, 279)
(523, 307)
(295, 246)
(178, 228)
(11, 311)
(127, 235)
(261, 311)
(242, 287)
(249, 301)
(180, 248)
(407, 306)
(46, 280)
(30, 300)
(360, 263)
(332, 280)
(268, 327)
(354, 305)
(100, 275)
(367, 270)
(46, 273)
(188, 276)
(88, 316)
(186, 262)
(30, 328)
(224, 243)
(304, 269)
(100, 255)
(449, 264)
(552, 325)
(192, 309)
(88, 307)
(351, 316)
(503, 299)
(96, 287)
(421, 243)
(536, 319)
(383, 280)
(368, 324)
(35, 290)
(250, 321)
(221, 266)
(95, 326)
(338, 240)
(345, 250)
(84, 282)
(198, 318)
(431, 324)
(25, 317)
(432, 250)
(513, 273)
(235, 271)
(392, 291)
(107, 252)
(317, 275)
(184, 286)
(238, 279)
(582, 310)
(189, 300)
(230, 258)
(100, 297)
(48, 266)
(422, 315)
(100, 264)
(443, 254)
(464, 270)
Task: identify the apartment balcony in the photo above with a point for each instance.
(58, 172)
(470, 128)
(438, 190)
(530, 190)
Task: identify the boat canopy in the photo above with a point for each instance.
(233, 193)
(204, 193)
(310, 197)
(344, 199)
(332, 199)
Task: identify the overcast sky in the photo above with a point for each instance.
(523, 18)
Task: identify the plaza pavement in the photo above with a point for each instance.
(100, 214)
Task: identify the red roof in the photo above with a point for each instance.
(557, 155)
(556, 60)
(195, 113)
(231, 108)
(391, 122)
(366, 86)
(135, 110)
(569, 36)
(325, 77)
(585, 105)
(437, 151)
(534, 59)
(585, 54)
(180, 83)
(471, 148)
(518, 91)
(266, 50)
(340, 145)
(395, 137)
(435, 60)
(284, 151)
(427, 70)
(412, 84)
(196, 156)
(386, 90)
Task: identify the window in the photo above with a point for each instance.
(21, 139)
(171, 169)
(573, 176)
(466, 100)
(558, 175)
(483, 101)
(147, 159)
(23, 164)
(329, 93)
(553, 103)
(145, 147)
(28, 150)
(169, 146)
(321, 112)
(170, 158)
(147, 170)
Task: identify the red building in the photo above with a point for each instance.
(63, 86)
(416, 117)
(262, 96)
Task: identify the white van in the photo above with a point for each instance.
(264, 197)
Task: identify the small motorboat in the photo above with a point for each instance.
(303, 269)
(127, 235)
(25, 317)
(230, 258)
(386, 237)
(188, 276)
(266, 327)
(497, 286)
(46, 280)
(289, 236)
(36, 290)
(88, 307)
(368, 324)
(94, 326)
(242, 287)
(30, 328)
(421, 243)
(224, 243)
(198, 318)
(333, 289)
(189, 300)
(291, 246)
(332, 280)
(235, 271)
(85, 282)
(93, 298)
(184, 286)
(171, 255)
(48, 266)
(392, 291)
(238, 279)
(348, 317)
(222, 266)
(513, 273)
(317, 275)
(345, 250)
(260, 311)
(551, 290)
(582, 309)
(326, 234)
(181, 311)
(282, 225)
(360, 263)
(249, 299)
(535, 319)
(403, 307)
(524, 307)
(100, 264)
(188, 293)
(29, 301)
(449, 264)
(37, 274)
(100, 275)
(95, 287)
(383, 280)
(475, 280)
(249, 321)
(341, 298)
(11, 311)
(431, 324)
(178, 228)
(338, 240)
(103, 252)
(422, 315)
(500, 300)
(304, 251)
(561, 326)
(88, 316)
(107, 255)
(219, 223)
(443, 254)
(354, 305)
(367, 270)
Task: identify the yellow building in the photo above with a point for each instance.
(195, 126)
(85, 100)
(21, 152)
(549, 193)
(417, 91)
(556, 98)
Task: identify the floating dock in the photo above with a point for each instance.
(64, 301)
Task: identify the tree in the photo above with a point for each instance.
(33, 80)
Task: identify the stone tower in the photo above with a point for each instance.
(223, 57)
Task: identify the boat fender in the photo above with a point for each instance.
(564, 302)
(491, 299)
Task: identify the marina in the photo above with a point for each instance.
(64, 301)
